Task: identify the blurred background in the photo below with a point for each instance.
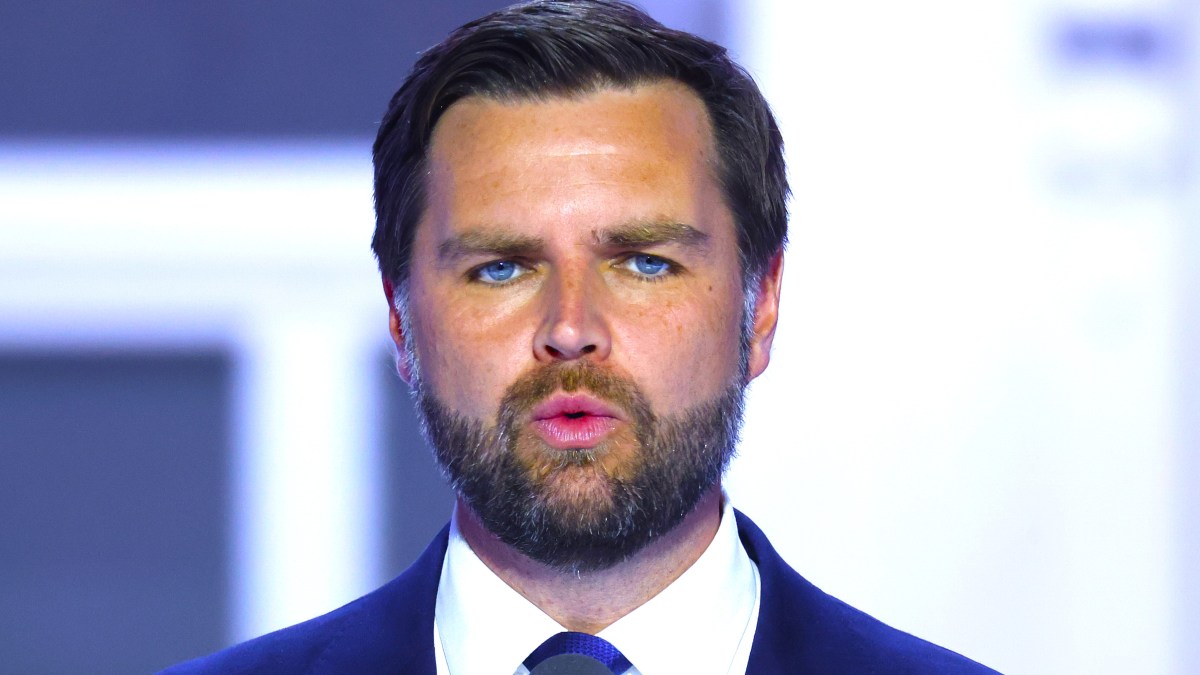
(980, 424)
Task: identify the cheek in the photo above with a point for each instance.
(467, 355)
(684, 352)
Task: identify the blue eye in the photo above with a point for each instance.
(498, 272)
(649, 265)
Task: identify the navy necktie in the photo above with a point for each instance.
(576, 654)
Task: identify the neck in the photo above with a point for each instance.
(590, 601)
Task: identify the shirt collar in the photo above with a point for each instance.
(698, 621)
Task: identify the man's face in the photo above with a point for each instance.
(577, 317)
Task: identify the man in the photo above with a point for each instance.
(580, 228)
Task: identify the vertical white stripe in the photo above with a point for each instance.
(308, 540)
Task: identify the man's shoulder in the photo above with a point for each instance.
(852, 641)
(288, 650)
(387, 630)
(803, 629)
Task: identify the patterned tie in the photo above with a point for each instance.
(576, 654)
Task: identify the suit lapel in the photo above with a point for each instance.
(418, 600)
(784, 637)
(392, 629)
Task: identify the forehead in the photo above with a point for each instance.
(666, 110)
(654, 139)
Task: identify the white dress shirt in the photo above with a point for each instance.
(702, 623)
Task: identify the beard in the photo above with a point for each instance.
(583, 510)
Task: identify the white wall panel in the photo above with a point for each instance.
(968, 425)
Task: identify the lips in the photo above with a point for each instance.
(574, 422)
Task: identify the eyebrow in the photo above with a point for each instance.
(652, 233)
(490, 243)
(498, 243)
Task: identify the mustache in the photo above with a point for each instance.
(537, 385)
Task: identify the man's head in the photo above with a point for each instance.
(583, 254)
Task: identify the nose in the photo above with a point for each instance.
(573, 324)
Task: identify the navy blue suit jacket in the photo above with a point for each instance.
(800, 630)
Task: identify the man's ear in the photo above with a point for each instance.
(766, 316)
(396, 329)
